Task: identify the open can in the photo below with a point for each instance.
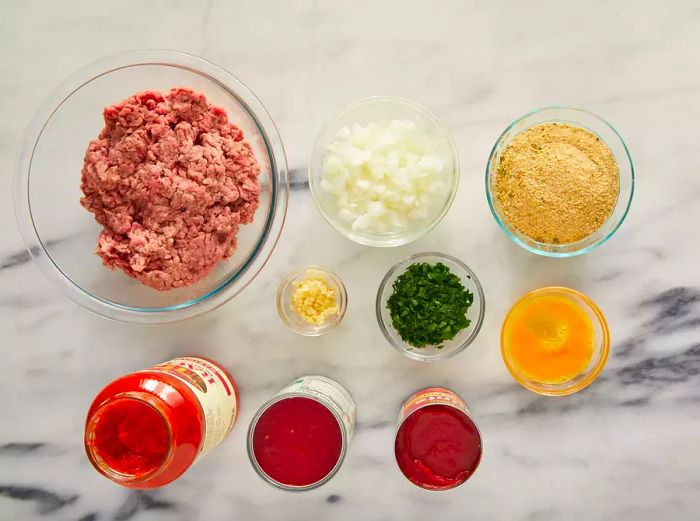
(283, 440)
(437, 445)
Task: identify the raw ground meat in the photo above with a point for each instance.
(170, 180)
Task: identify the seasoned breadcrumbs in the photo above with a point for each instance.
(557, 183)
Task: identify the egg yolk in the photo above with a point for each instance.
(549, 339)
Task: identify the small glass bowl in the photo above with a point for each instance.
(610, 137)
(292, 319)
(601, 348)
(369, 110)
(450, 347)
(61, 235)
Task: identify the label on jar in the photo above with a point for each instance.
(215, 392)
(331, 394)
(431, 396)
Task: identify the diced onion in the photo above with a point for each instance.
(386, 176)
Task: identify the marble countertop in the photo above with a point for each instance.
(628, 447)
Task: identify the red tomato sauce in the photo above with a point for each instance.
(131, 437)
(297, 441)
(438, 447)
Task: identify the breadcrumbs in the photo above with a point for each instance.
(557, 183)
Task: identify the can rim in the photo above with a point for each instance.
(465, 410)
(279, 484)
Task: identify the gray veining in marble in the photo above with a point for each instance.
(626, 448)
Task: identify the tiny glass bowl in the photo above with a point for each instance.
(475, 313)
(601, 345)
(371, 110)
(292, 319)
(609, 136)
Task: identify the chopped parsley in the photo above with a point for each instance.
(429, 305)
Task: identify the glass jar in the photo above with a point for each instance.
(145, 429)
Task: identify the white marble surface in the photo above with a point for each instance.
(626, 448)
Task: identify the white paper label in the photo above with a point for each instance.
(331, 393)
(214, 391)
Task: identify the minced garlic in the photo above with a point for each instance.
(314, 298)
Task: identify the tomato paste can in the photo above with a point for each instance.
(298, 440)
(437, 444)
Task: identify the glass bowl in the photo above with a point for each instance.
(292, 319)
(451, 347)
(61, 235)
(610, 137)
(374, 109)
(601, 347)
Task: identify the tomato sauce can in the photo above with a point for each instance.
(298, 440)
(438, 445)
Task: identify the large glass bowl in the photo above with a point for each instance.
(610, 137)
(381, 109)
(61, 235)
(449, 348)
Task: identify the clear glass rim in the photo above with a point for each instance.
(565, 388)
(393, 240)
(310, 330)
(490, 167)
(274, 220)
(278, 484)
(415, 352)
(95, 459)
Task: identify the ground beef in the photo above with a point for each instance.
(170, 180)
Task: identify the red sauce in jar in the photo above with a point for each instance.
(297, 441)
(438, 447)
(147, 428)
(120, 440)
